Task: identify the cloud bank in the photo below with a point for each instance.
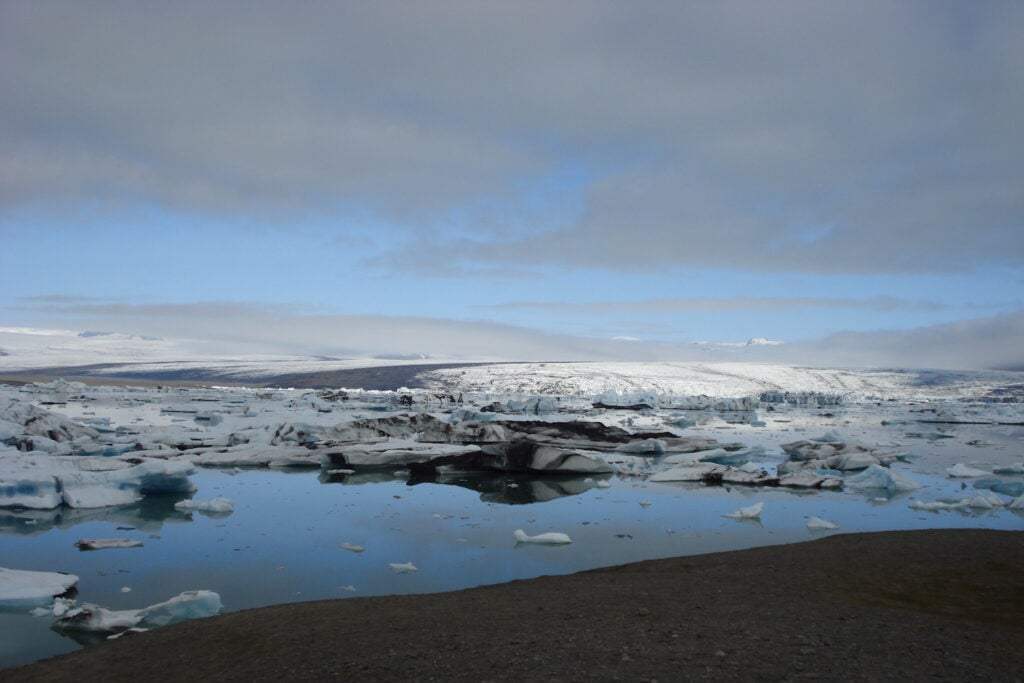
(869, 137)
(228, 329)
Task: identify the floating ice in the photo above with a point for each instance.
(819, 524)
(878, 477)
(963, 471)
(105, 543)
(46, 482)
(550, 538)
(187, 605)
(751, 512)
(17, 585)
(403, 567)
(352, 548)
(1016, 504)
(695, 472)
(985, 501)
(939, 505)
(217, 505)
(1016, 468)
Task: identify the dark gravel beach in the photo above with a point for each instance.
(921, 605)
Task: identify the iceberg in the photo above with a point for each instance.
(751, 512)
(18, 585)
(878, 477)
(184, 606)
(963, 471)
(46, 482)
(550, 538)
(819, 524)
(403, 567)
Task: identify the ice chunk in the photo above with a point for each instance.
(695, 472)
(352, 548)
(1016, 504)
(963, 471)
(985, 501)
(550, 538)
(187, 605)
(878, 477)
(819, 524)
(644, 447)
(105, 543)
(939, 505)
(751, 512)
(17, 585)
(1016, 468)
(217, 505)
(403, 567)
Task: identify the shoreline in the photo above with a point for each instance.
(944, 604)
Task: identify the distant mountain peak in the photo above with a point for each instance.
(761, 341)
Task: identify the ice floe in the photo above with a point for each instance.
(750, 512)
(963, 471)
(549, 538)
(403, 567)
(219, 504)
(18, 585)
(182, 607)
(819, 524)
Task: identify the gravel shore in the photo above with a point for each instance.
(935, 605)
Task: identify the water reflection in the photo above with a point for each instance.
(519, 490)
(507, 489)
(150, 514)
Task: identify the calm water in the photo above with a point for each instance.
(282, 542)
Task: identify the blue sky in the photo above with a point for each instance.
(664, 172)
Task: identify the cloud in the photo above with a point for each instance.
(237, 329)
(798, 136)
(987, 343)
(879, 303)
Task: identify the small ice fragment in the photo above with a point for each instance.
(350, 588)
(40, 612)
(751, 512)
(963, 471)
(106, 543)
(1016, 468)
(604, 484)
(219, 504)
(352, 548)
(645, 503)
(819, 524)
(126, 589)
(402, 568)
(1016, 504)
(341, 471)
(550, 538)
(939, 505)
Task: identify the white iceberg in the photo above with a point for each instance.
(986, 501)
(937, 505)
(18, 585)
(550, 538)
(964, 472)
(46, 482)
(819, 524)
(751, 512)
(352, 548)
(106, 543)
(403, 567)
(695, 472)
(217, 505)
(187, 605)
(1016, 468)
(878, 477)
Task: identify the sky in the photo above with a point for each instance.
(525, 180)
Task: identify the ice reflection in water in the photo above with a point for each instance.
(283, 541)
